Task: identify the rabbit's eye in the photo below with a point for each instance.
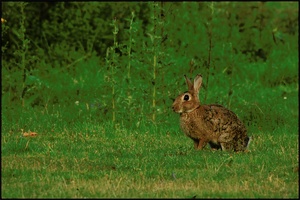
(186, 97)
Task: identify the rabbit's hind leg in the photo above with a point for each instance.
(226, 146)
(242, 144)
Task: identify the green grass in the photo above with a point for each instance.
(99, 160)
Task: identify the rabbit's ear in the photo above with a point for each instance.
(197, 83)
(189, 83)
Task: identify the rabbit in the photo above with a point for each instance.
(213, 124)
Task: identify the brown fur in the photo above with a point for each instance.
(213, 124)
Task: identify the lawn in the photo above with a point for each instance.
(99, 160)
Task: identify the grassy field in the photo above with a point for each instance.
(86, 159)
(95, 91)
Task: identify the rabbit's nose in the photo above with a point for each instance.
(173, 108)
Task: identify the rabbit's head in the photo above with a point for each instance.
(188, 101)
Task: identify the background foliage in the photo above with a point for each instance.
(97, 54)
(71, 63)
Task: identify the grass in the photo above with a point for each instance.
(99, 160)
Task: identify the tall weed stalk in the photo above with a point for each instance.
(154, 18)
(156, 38)
(111, 58)
(210, 36)
(129, 49)
(22, 51)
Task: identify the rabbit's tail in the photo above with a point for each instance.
(248, 142)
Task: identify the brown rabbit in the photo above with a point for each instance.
(213, 124)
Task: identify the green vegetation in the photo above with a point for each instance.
(96, 80)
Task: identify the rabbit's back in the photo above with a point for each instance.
(222, 120)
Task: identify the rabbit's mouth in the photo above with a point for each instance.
(177, 110)
(181, 110)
